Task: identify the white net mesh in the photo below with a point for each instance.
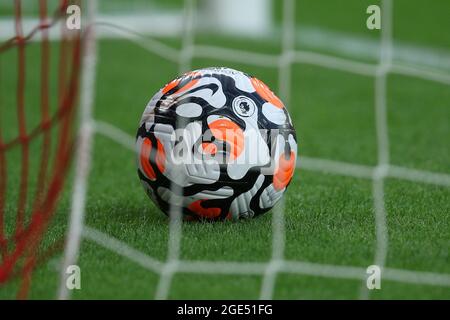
(284, 61)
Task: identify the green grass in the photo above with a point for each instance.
(329, 218)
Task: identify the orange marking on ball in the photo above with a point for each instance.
(187, 86)
(264, 91)
(172, 84)
(284, 171)
(209, 213)
(146, 148)
(160, 156)
(209, 148)
(227, 130)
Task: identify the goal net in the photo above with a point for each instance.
(147, 24)
(27, 133)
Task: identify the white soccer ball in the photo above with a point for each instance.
(215, 144)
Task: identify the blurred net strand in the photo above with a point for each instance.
(307, 163)
(83, 152)
(20, 96)
(43, 24)
(272, 60)
(381, 127)
(122, 249)
(21, 252)
(175, 211)
(382, 171)
(31, 259)
(278, 219)
(286, 266)
(259, 268)
(149, 44)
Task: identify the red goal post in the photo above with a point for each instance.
(22, 249)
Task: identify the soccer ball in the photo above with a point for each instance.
(216, 143)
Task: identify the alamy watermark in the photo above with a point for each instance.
(73, 21)
(374, 20)
(256, 147)
(73, 280)
(374, 277)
